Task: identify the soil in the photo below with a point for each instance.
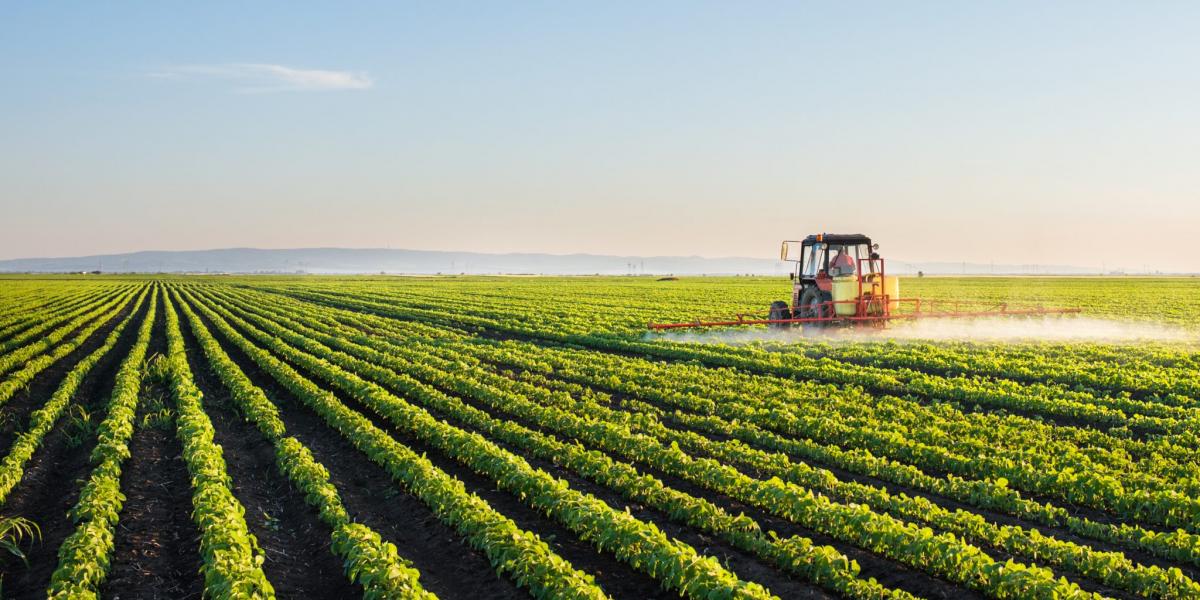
(156, 552)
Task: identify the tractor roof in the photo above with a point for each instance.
(837, 238)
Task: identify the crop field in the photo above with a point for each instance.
(509, 437)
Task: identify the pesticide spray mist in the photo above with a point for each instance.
(998, 329)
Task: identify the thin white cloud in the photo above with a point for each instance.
(261, 77)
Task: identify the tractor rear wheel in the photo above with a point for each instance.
(779, 310)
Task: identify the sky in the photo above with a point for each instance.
(1019, 133)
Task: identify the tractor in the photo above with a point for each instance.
(836, 276)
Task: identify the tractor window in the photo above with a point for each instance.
(814, 260)
(864, 252)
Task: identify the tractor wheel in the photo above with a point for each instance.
(779, 310)
(813, 306)
(804, 311)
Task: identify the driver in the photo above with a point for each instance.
(842, 264)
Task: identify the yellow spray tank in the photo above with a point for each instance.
(845, 295)
(878, 286)
(874, 286)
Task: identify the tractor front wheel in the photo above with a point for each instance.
(779, 310)
(814, 305)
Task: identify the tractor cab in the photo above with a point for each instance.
(823, 261)
(822, 255)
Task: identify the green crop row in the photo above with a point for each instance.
(1113, 568)
(31, 313)
(1134, 495)
(231, 560)
(42, 420)
(369, 561)
(84, 556)
(519, 554)
(44, 325)
(859, 428)
(823, 565)
(818, 438)
(676, 565)
(941, 554)
(35, 362)
(43, 321)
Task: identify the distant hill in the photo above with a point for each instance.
(350, 260)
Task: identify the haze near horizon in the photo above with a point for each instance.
(1017, 133)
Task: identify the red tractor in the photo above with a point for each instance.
(836, 276)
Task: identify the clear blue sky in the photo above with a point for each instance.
(1013, 132)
